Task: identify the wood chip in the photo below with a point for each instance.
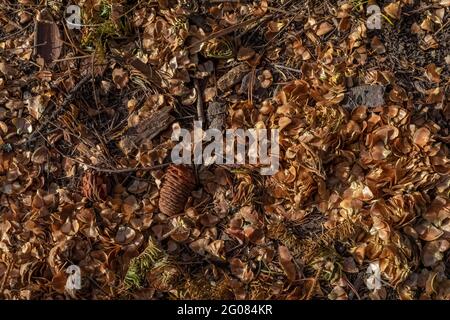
(47, 38)
(232, 77)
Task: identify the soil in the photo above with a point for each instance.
(403, 52)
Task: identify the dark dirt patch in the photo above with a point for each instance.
(403, 52)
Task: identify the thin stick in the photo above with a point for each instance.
(286, 68)
(200, 111)
(311, 290)
(352, 288)
(73, 58)
(223, 32)
(442, 28)
(169, 233)
(16, 33)
(72, 93)
(122, 170)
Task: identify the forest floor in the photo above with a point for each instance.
(90, 96)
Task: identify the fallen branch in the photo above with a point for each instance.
(112, 170)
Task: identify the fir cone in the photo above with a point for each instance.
(178, 184)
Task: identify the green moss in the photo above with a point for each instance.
(140, 265)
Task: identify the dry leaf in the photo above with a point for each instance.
(241, 270)
(393, 10)
(125, 235)
(120, 78)
(421, 137)
(377, 45)
(433, 73)
(433, 252)
(286, 263)
(40, 155)
(324, 28)
(245, 54)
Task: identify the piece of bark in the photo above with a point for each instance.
(216, 115)
(232, 77)
(47, 38)
(200, 111)
(149, 128)
(365, 95)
